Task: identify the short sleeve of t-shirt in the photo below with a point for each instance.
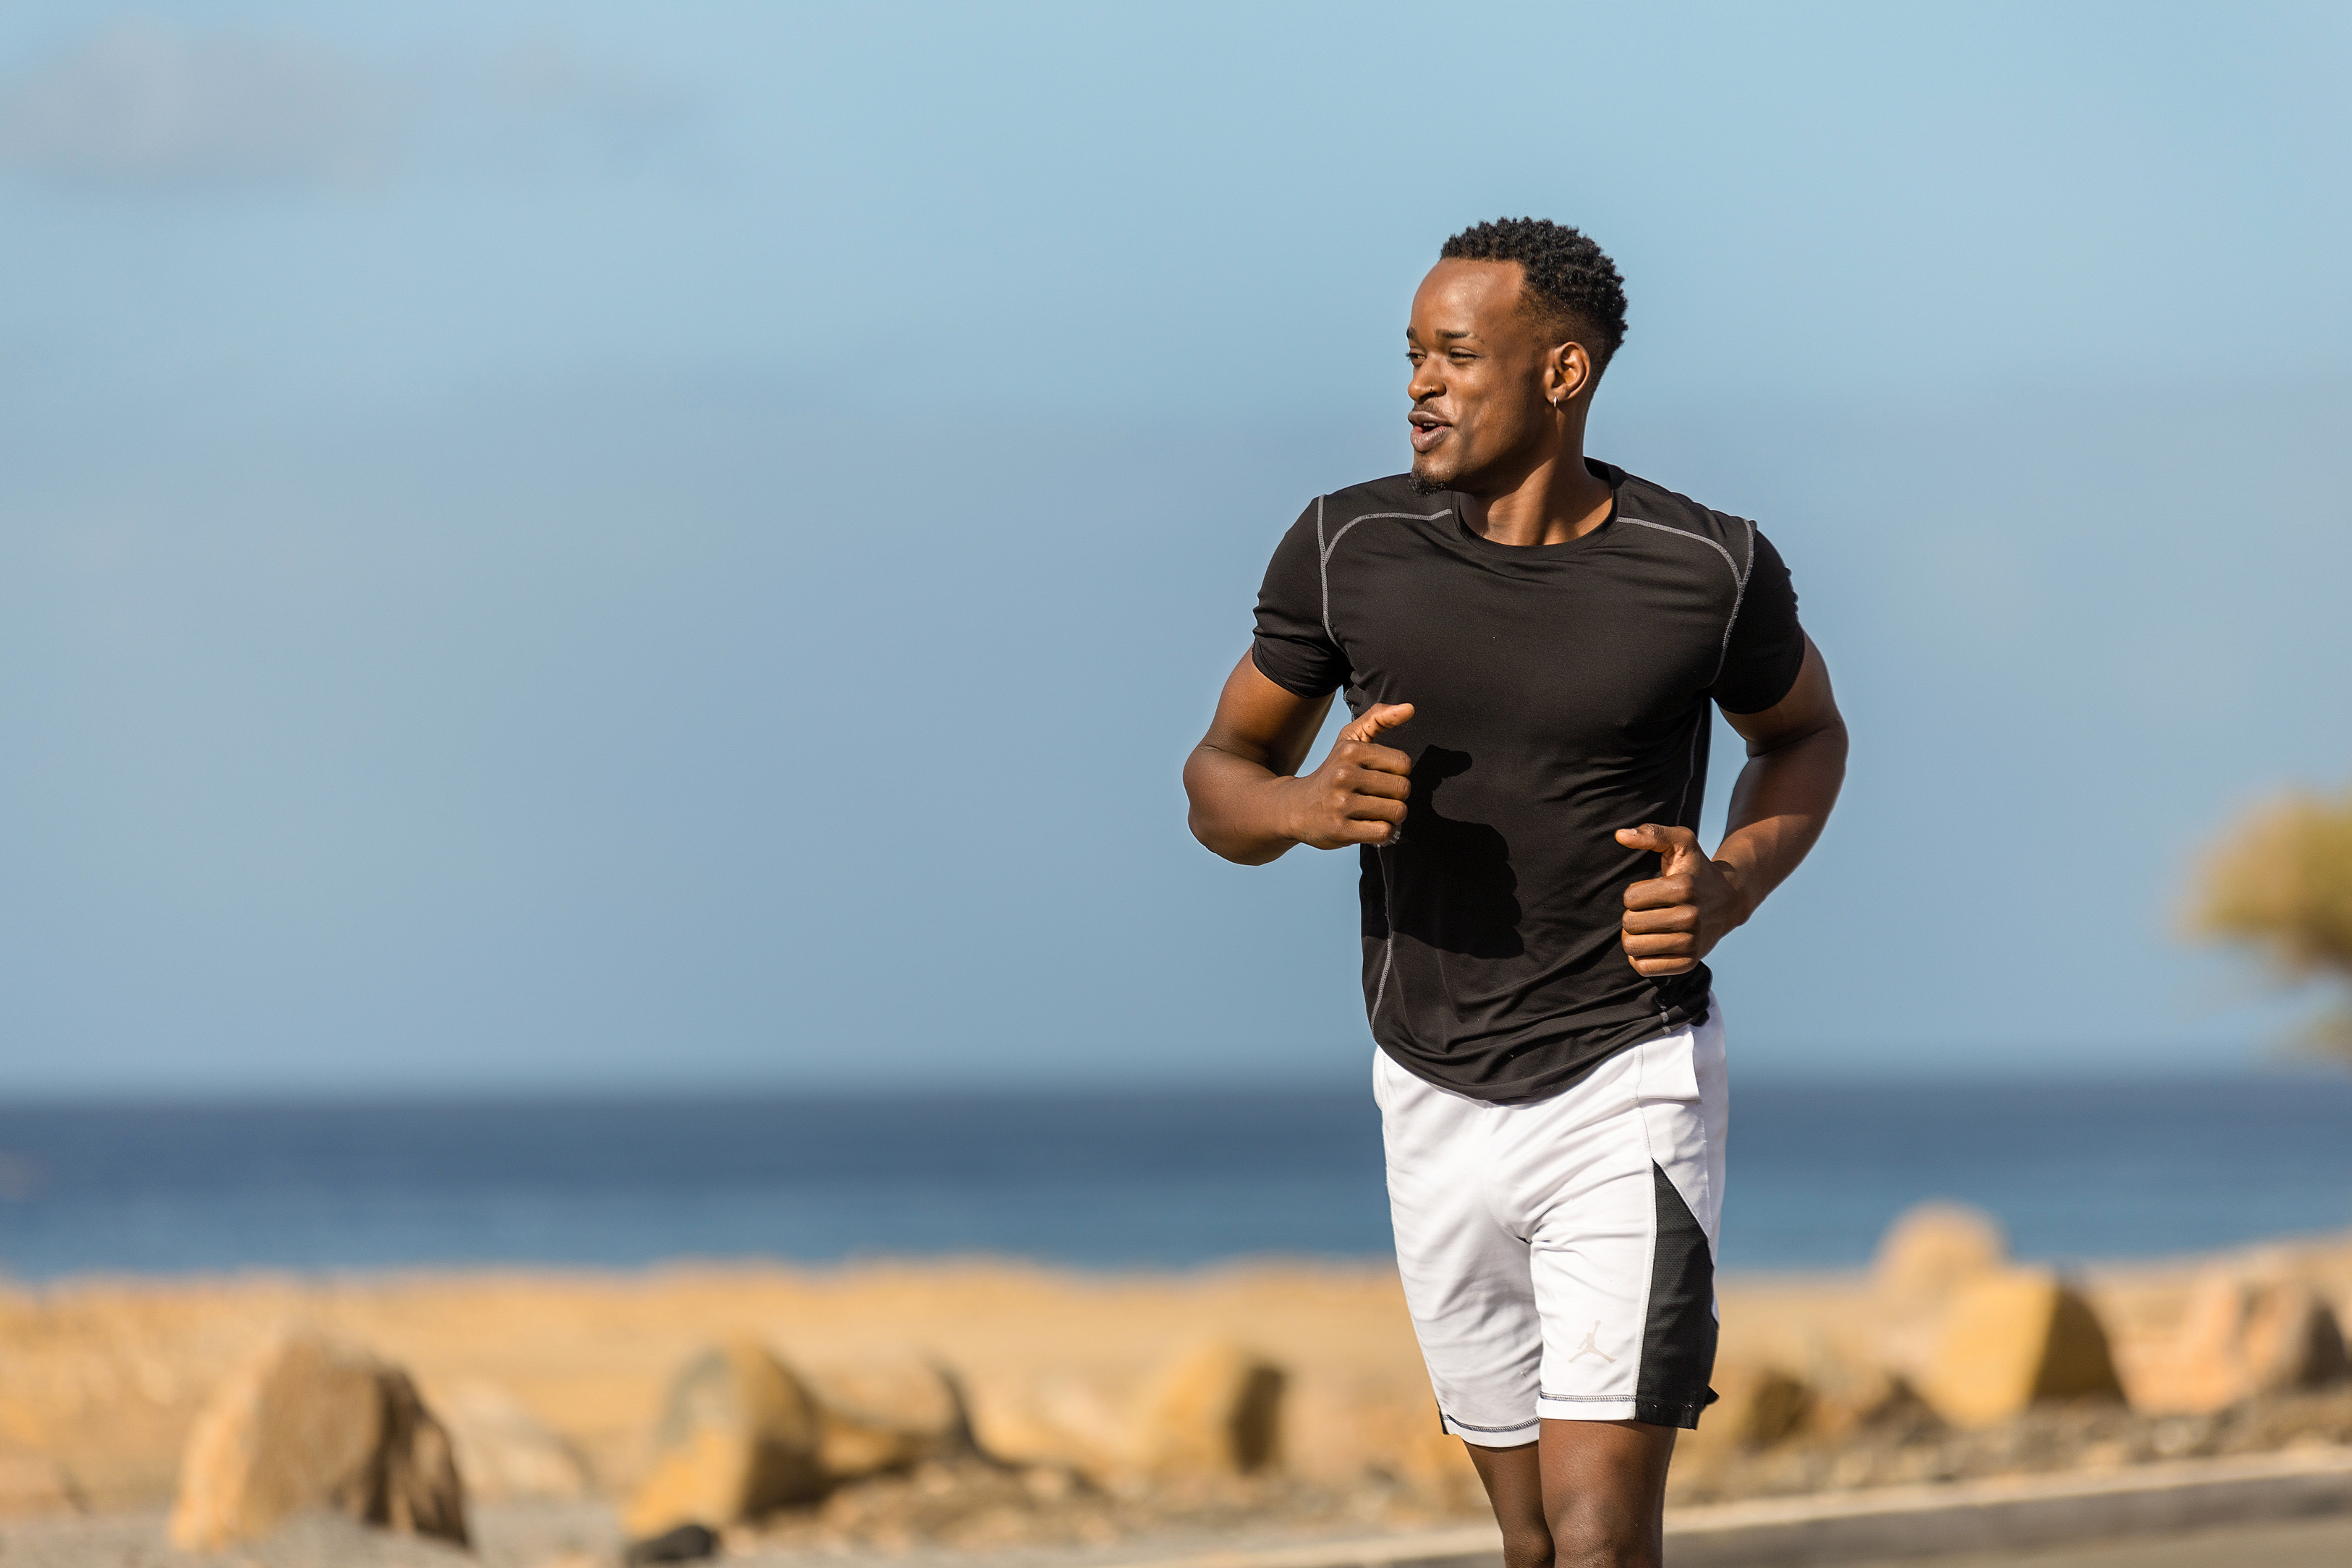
(1294, 649)
(1766, 646)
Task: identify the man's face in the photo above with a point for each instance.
(1477, 387)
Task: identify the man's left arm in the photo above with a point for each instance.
(1796, 760)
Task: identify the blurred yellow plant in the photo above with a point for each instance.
(2280, 881)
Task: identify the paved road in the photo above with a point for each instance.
(2311, 1543)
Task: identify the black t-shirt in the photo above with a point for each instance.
(1559, 693)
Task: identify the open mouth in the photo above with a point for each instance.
(1427, 432)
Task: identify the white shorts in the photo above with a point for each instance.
(1559, 1256)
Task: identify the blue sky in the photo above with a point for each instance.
(608, 546)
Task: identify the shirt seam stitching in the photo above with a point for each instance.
(1323, 551)
(1738, 599)
(1738, 579)
(1323, 570)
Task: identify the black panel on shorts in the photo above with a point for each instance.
(1678, 1340)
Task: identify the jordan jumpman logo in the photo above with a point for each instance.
(1590, 1336)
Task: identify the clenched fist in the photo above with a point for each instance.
(1676, 919)
(1358, 795)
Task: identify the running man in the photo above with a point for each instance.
(1529, 642)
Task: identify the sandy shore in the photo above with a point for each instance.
(104, 1376)
(100, 1380)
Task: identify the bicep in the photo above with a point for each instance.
(1265, 723)
(1808, 708)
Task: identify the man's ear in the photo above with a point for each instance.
(1567, 374)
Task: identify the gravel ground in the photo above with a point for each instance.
(2304, 1543)
(522, 1536)
(1910, 1446)
(583, 1535)
(984, 1515)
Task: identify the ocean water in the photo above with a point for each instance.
(1158, 1179)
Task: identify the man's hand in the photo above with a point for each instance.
(1250, 801)
(1357, 796)
(1677, 918)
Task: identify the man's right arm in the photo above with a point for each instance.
(1249, 803)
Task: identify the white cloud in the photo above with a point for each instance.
(142, 105)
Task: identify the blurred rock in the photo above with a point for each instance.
(1726, 1436)
(1213, 1409)
(2015, 1338)
(307, 1423)
(414, 1486)
(1063, 1417)
(1434, 1467)
(1933, 1248)
(505, 1452)
(740, 1436)
(885, 1414)
(969, 1503)
(1873, 1399)
(687, 1543)
(1079, 1416)
(34, 1485)
(1756, 1408)
(2241, 1338)
(1341, 1434)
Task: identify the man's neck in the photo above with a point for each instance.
(1556, 500)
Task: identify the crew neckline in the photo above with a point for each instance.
(1609, 473)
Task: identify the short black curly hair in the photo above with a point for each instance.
(1571, 283)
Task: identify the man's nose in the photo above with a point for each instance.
(1424, 384)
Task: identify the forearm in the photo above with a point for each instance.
(1239, 807)
(1779, 808)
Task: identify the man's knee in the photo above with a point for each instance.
(1591, 1534)
(1526, 1549)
